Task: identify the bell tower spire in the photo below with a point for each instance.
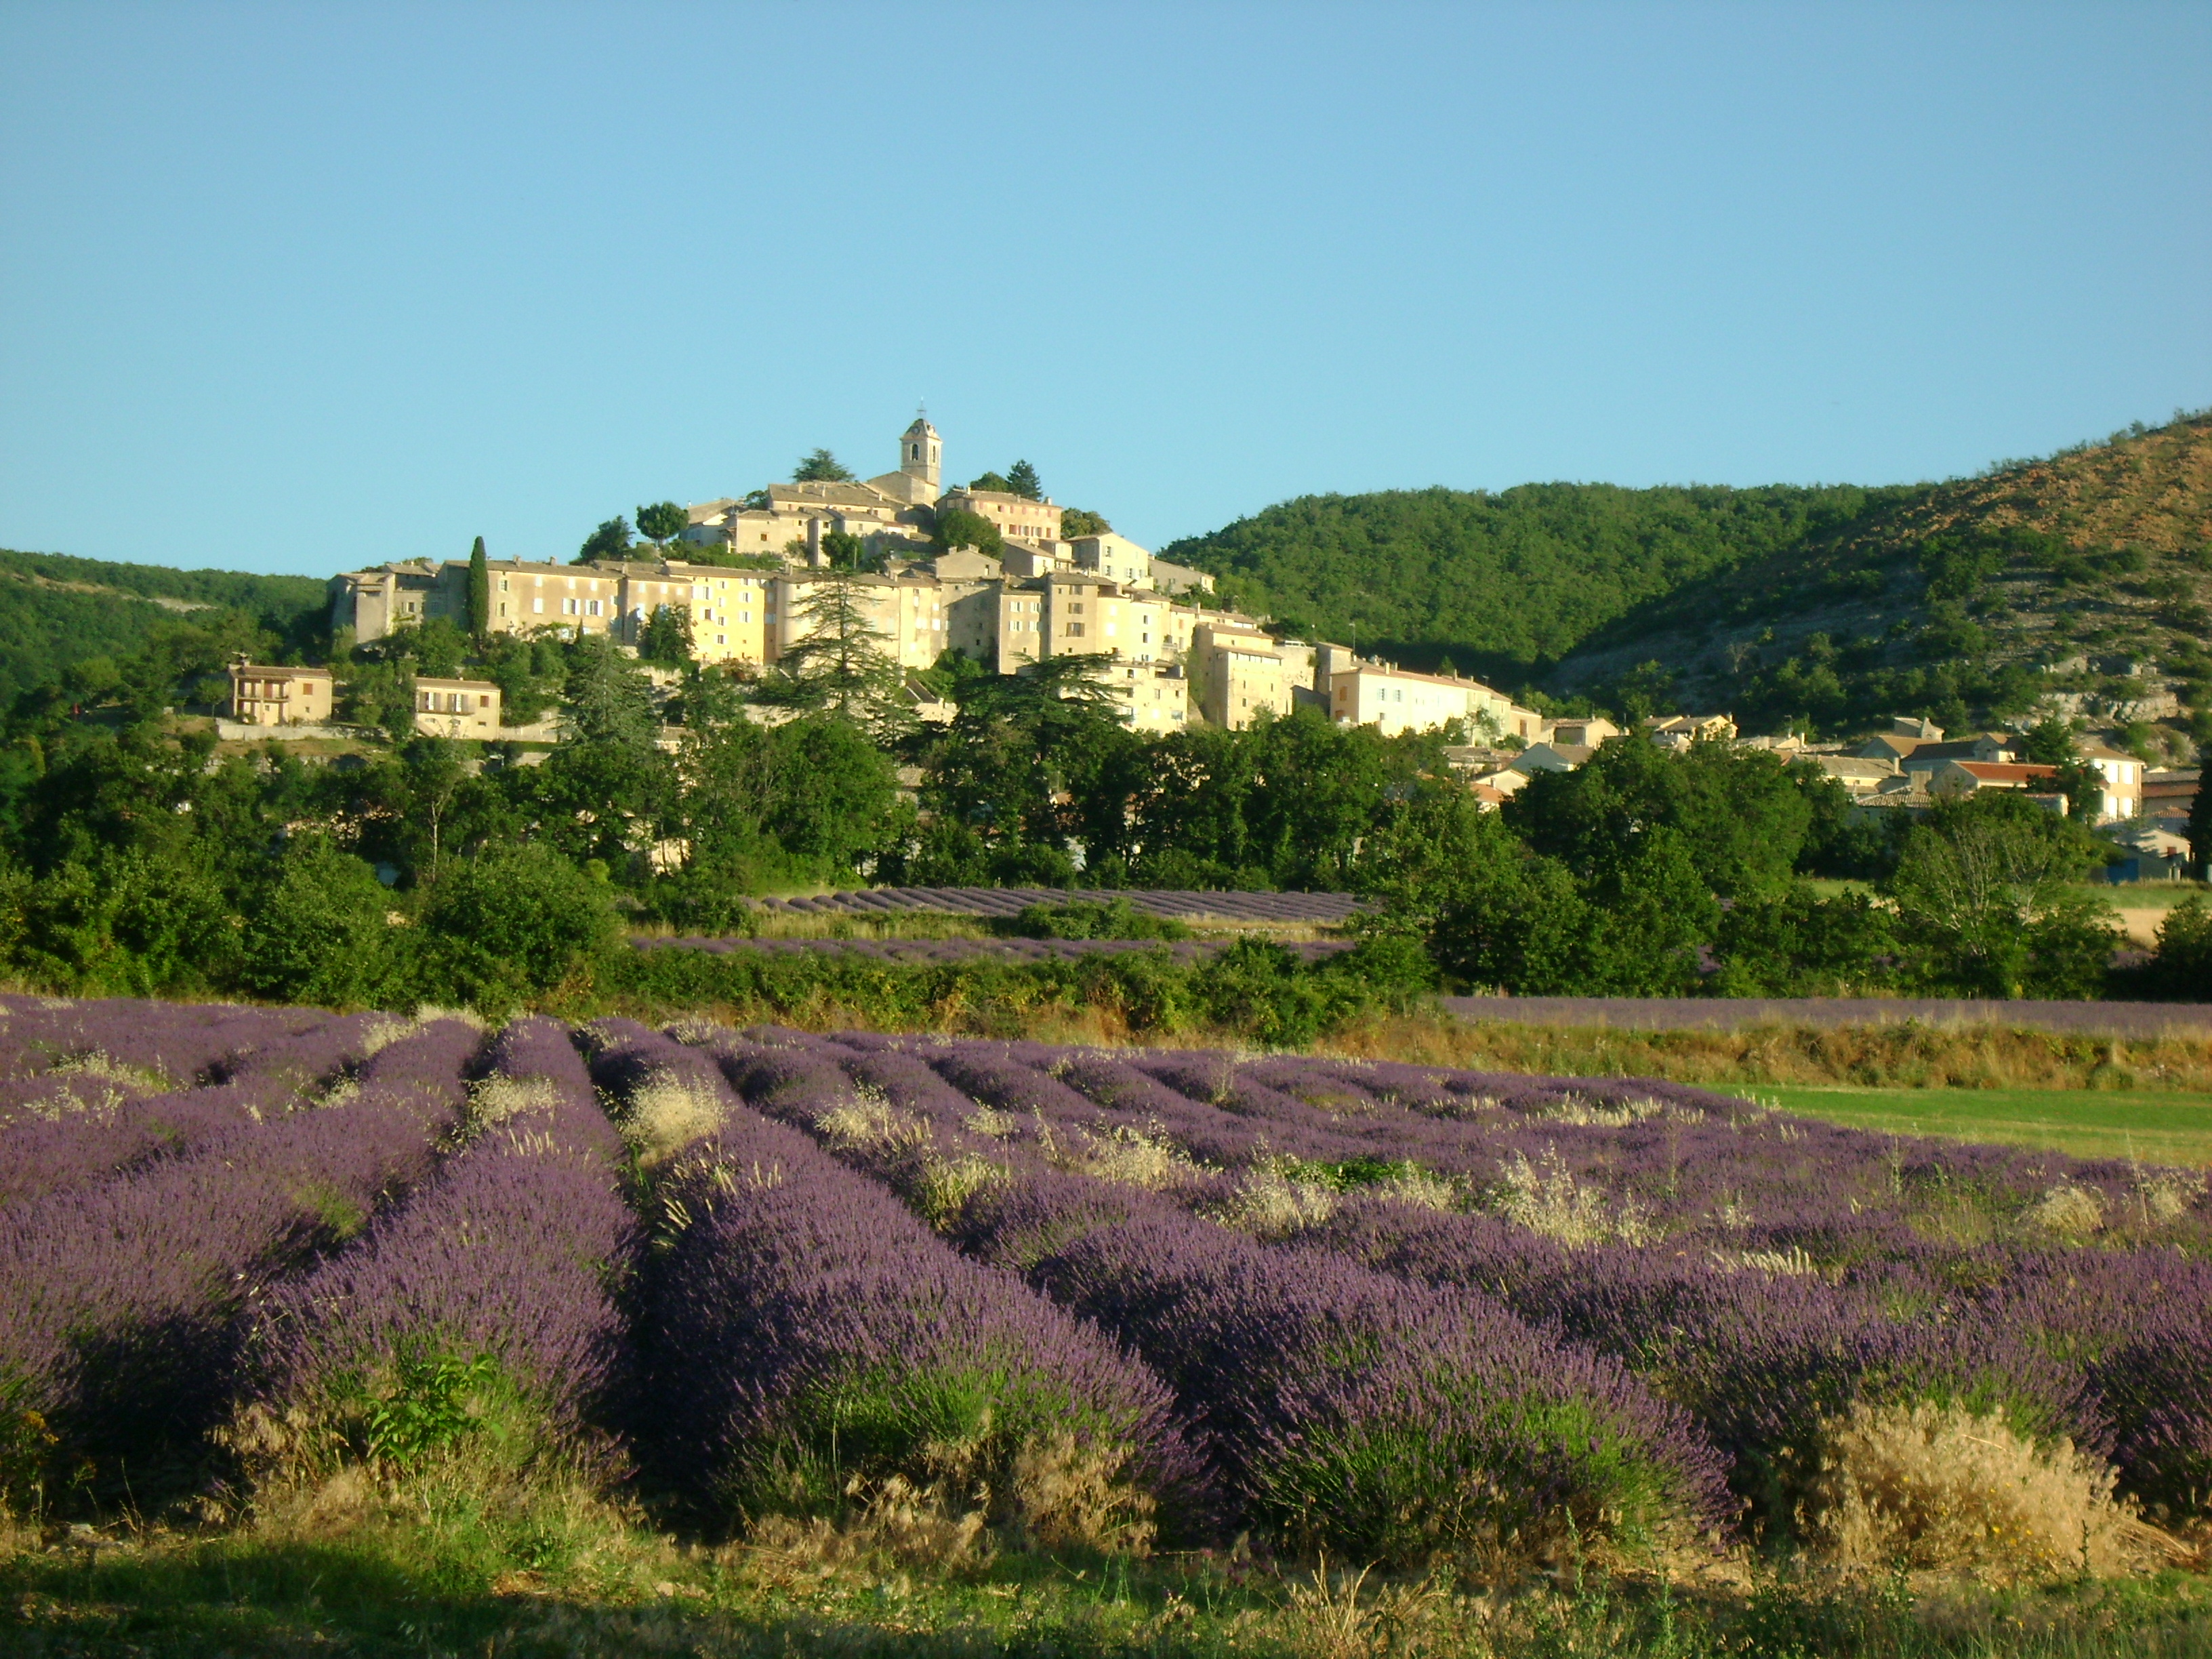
(921, 454)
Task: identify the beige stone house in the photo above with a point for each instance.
(456, 708)
(263, 696)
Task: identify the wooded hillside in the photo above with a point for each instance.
(1502, 582)
(56, 610)
(2086, 575)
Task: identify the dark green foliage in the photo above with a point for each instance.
(958, 527)
(56, 612)
(499, 930)
(479, 591)
(1527, 925)
(1794, 942)
(1022, 480)
(1742, 815)
(1077, 521)
(609, 541)
(997, 481)
(820, 467)
(319, 933)
(1511, 578)
(1839, 841)
(2180, 970)
(662, 522)
(666, 636)
(1985, 907)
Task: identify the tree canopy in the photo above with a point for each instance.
(662, 522)
(957, 527)
(609, 541)
(820, 466)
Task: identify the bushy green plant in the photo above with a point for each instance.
(321, 932)
(498, 930)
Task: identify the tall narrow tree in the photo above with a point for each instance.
(479, 591)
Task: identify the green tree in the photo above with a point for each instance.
(820, 467)
(1022, 480)
(2050, 741)
(610, 699)
(997, 481)
(2180, 970)
(609, 541)
(843, 664)
(1742, 813)
(497, 931)
(479, 591)
(319, 933)
(1983, 895)
(666, 636)
(1076, 521)
(956, 527)
(1795, 943)
(662, 523)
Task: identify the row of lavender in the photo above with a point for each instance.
(1760, 1272)
(976, 950)
(147, 1225)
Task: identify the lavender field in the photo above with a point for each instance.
(1314, 907)
(1089, 1299)
(978, 950)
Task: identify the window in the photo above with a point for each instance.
(568, 607)
(537, 607)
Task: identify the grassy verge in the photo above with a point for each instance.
(2158, 1128)
(1862, 1057)
(452, 1580)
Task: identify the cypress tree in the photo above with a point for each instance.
(479, 591)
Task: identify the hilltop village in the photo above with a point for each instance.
(1007, 578)
(742, 572)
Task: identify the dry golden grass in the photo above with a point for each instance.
(1871, 1056)
(1926, 1487)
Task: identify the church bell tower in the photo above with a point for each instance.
(921, 455)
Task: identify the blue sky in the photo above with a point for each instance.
(301, 288)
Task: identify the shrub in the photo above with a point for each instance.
(501, 929)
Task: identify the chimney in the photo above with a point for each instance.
(814, 543)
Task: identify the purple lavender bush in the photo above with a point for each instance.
(491, 1294)
(811, 1346)
(1340, 1407)
(82, 1124)
(123, 1306)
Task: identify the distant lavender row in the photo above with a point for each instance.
(76, 1127)
(2122, 1019)
(177, 1041)
(1342, 1407)
(805, 1333)
(512, 1256)
(122, 1306)
(974, 950)
(1006, 901)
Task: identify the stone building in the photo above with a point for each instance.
(456, 708)
(263, 696)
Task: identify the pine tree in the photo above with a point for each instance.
(842, 664)
(479, 591)
(1022, 480)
